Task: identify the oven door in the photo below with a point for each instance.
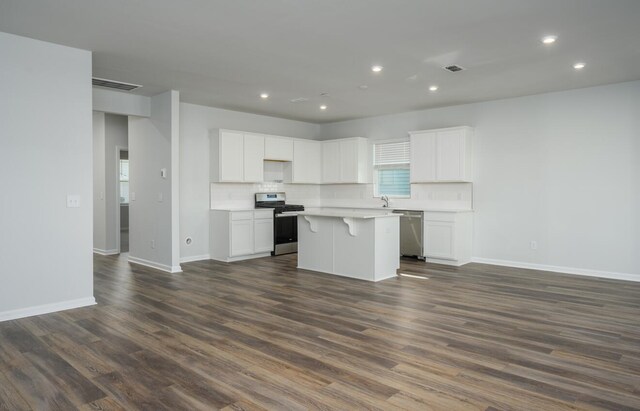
(285, 234)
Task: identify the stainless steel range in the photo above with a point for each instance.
(285, 222)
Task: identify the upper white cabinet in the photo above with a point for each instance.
(442, 155)
(345, 160)
(331, 161)
(236, 157)
(253, 158)
(239, 157)
(307, 162)
(230, 166)
(278, 148)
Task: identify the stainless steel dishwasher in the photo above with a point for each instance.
(411, 233)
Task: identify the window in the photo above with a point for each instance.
(391, 169)
(124, 180)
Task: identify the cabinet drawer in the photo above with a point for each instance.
(241, 215)
(263, 214)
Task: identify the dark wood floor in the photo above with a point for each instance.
(262, 335)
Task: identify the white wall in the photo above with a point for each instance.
(559, 168)
(154, 213)
(99, 207)
(117, 102)
(46, 145)
(195, 196)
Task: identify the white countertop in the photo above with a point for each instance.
(430, 210)
(238, 209)
(341, 213)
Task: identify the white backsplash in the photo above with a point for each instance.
(242, 195)
(449, 196)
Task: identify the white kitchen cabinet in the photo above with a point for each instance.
(442, 155)
(345, 161)
(240, 235)
(448, 237)
(423, 157)
(227, 156)
(278, 148)
(307, 162)
(253, 158)
(236, 156)
(263, 235)
(331, 161)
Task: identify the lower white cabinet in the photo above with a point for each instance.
(448, 237)
(263, 235)
(239, 235)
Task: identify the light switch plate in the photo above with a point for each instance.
(73, 201)
(133, 196)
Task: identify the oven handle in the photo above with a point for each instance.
(289, 214)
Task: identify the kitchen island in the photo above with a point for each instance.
(361, 244)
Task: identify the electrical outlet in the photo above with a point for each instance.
(153, 243)
(73, 201)
(534, 245)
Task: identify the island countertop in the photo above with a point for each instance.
(364, 214)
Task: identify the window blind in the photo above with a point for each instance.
(398, 152)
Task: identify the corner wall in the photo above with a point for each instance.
(154, 200)
(46, 255)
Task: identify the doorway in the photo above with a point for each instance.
(123, 200)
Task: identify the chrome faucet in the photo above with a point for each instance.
(386, 201)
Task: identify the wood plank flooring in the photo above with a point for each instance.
(261, 334)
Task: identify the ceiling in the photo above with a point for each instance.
(224, 53)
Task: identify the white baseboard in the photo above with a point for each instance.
(105, 252)
(241, 258)
(195, 258)
(152, 264)
(46, 308)
(559, 269)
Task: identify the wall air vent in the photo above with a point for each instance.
(454, 68)
(112, 84)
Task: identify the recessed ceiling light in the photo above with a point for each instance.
(579, 66)
(549, 39)
(264, 95)
(323, 107)
(363, 87)
(433, 88)
(376, 69)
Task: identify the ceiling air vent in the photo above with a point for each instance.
(112, 84)
(299, 100)
(454, 68)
